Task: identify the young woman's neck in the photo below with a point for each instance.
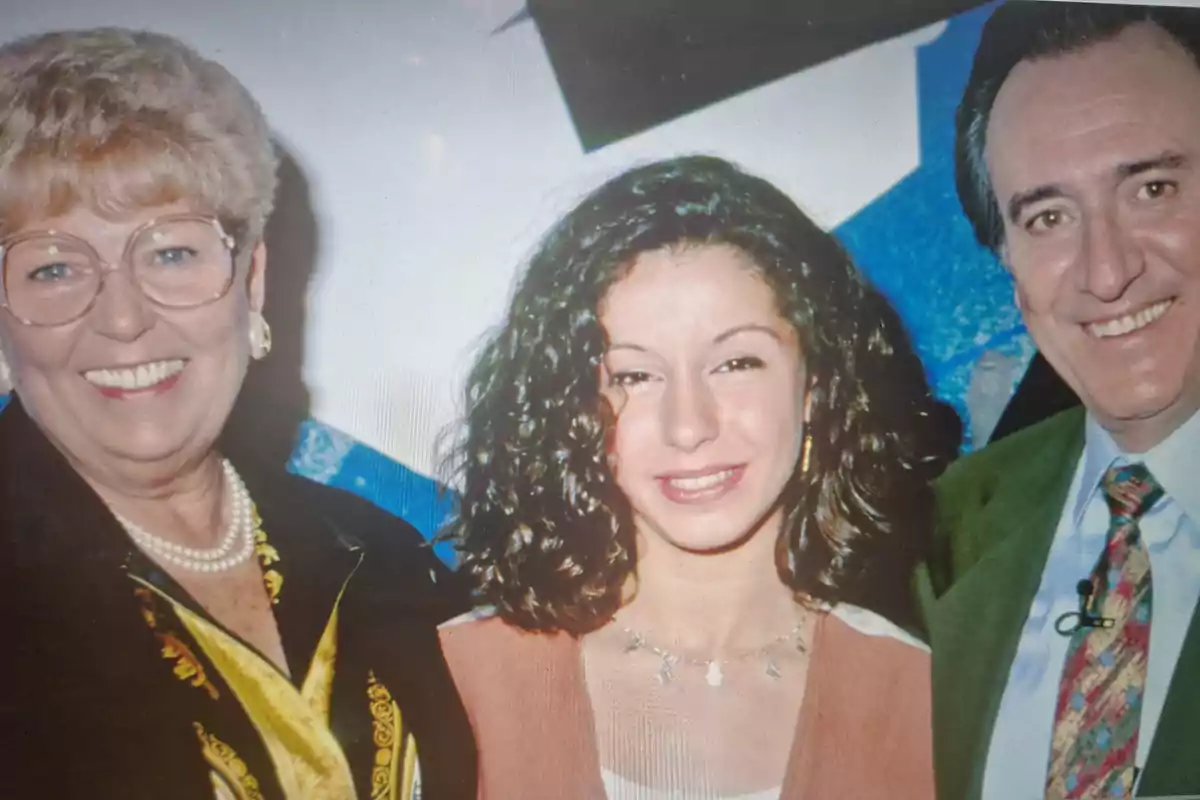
(717, 604)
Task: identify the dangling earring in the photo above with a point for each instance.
(260, 336)
(806, 445)
(805, 453)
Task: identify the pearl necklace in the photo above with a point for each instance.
(221, 558)
(714, 672)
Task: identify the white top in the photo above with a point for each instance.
(1020, 747)
(618, 788)
(862, 620)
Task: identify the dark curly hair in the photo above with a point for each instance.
(544, 533)
(1023, 31)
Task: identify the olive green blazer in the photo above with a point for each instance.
(998, 510)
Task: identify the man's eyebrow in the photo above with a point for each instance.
(1167, 160)
(1022, 200)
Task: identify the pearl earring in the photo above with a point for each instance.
(260, 336)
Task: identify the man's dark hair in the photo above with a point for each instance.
(1021, 30)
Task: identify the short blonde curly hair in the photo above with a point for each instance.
(121, 120)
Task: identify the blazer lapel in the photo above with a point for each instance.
(976, 625)
(316, 558)
(1173, 767)
(564, 715)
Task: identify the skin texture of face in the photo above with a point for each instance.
(1094, 158)
(156, 431)
(708, 383)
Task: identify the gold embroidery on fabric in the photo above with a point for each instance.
(308, 759)
(383, 727)
(146, 598)
(228, 767)
(267, 556)
(187, 667)
(393, 773)
(274, 583)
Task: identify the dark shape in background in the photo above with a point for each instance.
(274, 400)
(625, 66)
(1040, 394)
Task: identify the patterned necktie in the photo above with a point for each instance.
(1099, 707)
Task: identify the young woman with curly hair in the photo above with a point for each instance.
(696, 457)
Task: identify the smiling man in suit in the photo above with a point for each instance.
(1061, 598)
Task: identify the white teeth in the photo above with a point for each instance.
(701, 483)
(143, 376)
(1130, 322)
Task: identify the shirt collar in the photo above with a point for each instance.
(1099, 453)
(1171, 463)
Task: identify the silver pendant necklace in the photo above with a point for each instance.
(714, 668)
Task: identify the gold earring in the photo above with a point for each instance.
(260, 336)
(805, 453)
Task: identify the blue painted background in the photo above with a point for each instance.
(918, 248)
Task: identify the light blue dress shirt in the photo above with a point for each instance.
(1020, 747)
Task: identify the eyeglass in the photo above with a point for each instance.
(178, 261)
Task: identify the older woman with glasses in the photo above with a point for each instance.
(180, 626)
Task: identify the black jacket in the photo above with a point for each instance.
(89, 706)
